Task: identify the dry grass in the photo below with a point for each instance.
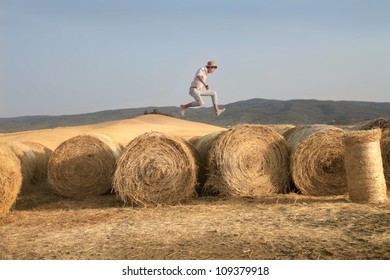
(290, 226)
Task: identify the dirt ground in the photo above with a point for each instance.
(44, 225)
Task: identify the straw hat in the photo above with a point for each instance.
(212, 63)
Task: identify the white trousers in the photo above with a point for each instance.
(197, 95)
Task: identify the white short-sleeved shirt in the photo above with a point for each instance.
(201, 72)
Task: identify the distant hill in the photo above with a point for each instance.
(262, 111)
(301, 112)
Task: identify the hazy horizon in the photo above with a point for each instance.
(151, 108)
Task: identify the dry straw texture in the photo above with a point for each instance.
(154, 169)
(42, 155)
(384, 124)
(247, 160)
(10, 178)
(27, 160)
(83, 166)
(282, 128)
(204, 144)
(317, 159)
(363, 165)
(194, 140)
(202, 147)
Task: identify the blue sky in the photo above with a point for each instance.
(73, 56)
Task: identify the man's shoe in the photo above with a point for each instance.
(220, 111)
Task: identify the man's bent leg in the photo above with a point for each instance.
(214, 98)
(211, 93)
(196, 94)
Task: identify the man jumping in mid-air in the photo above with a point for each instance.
(199, 88)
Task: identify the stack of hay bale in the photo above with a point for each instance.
(247, 160)
(325, 160)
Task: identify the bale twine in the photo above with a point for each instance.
(247, 160)
(10, 178)
(42, 155)
(363, 165)
(154, 169)
(83, 166)
(27, 160)
(317, 159)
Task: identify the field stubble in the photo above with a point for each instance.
(44, 225)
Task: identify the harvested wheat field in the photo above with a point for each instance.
(45, 225)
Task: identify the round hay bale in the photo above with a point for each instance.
(42, 155)
(10, 178)
(27, 160)
(317, 159)
(363, 165)
(154, 169)
(191, 143)
(194, 140)
(291, 130)
(383, 123)
(247, 160)
(83, 166)
(281, 128)
(202, 147)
